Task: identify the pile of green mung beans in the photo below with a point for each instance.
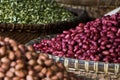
(32, 12)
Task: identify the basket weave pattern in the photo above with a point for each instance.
(90, 69)
(91, 2)
(95, 8)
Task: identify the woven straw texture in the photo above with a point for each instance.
(95, 8)
(89, 70)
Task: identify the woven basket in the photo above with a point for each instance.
(89, 70)
(95, 8)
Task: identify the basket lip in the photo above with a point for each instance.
(57, 22)
(44, 28)
(90, 2)
(37, 40)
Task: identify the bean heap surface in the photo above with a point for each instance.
(97, 40)
(32, 11)
(18, 62)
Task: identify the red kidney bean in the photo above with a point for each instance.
(92, 57)
(73, 35)
(103, 43)
(82, 58)
(66, 32)
(118, 32)
(70, 52)
(72, 30)
(116, 50)
(64, 49)
(53, 39)
(96, 58)
(78, 41)
(80, 44)
(79, 52)
(115, 60)
(114, 29)
(114, 55)
(76, 48)
(104, 27)
(61, 54)
(67, 36)
(86, 47)
(70, 47)
(112, 49)
(102, 47)
(118, 60)
(105, 52)
(69, 55)
(106, 60)
(108, 45)
(117, 39)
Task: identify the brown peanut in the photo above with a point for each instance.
(16, 78)
(13, 64)
(5, 60)
(31, 62)
(11, 55)
(2, 75)
(4, 66)
(28, 55)
(49, 73)
(9, 74)
(20, 73)
(30, 48)
(59, 75)
(44, 70)
(19, 66)
(2, 51)
(31, 72)
(29, 77)
(38, 68)
(54, 78)
(7, 78)
(49, 62)
(40, 62)
(54, 68)
(43, 57)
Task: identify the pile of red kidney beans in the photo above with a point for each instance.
(97, 40)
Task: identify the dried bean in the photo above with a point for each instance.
(19, 66)
(2, 75)
(20, 74)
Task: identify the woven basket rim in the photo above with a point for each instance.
(76, 17)
(39, 27)
(90, 2)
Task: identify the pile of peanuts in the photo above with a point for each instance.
(18, 62)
